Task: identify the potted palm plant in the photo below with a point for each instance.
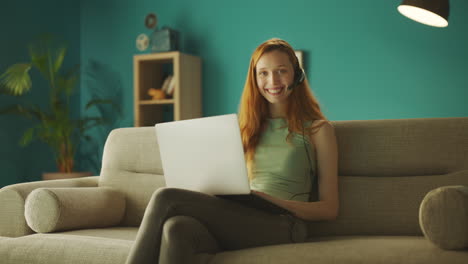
(56, 127)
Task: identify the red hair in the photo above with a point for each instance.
(253, 109)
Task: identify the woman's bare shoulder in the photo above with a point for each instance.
(321, 125)
(319, 122)
(324, 127)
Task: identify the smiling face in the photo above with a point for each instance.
(274, 73)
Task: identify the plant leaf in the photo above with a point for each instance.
(67, 84)
(18, 110)
(40, 62)
(104, 101)
(16, 79)
(60, 55)
(27, 137)
(88, 138)
(72, 76)
(86, 123)
(4, 90)
(47, 53)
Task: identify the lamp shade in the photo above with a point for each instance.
(430, 12)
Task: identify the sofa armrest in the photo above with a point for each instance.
(13, 197)
(443, 217)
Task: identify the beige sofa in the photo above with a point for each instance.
(386, 168)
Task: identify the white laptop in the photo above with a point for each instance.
(204, 155)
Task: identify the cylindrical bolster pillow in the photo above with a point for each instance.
(443, 217)
(59, 209)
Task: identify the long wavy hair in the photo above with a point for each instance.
(254, 110)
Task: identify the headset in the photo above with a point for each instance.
(299, 76)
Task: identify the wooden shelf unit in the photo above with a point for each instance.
(150, 70)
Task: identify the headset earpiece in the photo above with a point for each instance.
(299, 76)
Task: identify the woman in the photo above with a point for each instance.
(288, 144)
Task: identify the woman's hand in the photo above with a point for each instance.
(272, 199)
(312, 211)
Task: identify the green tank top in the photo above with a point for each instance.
(281, 169)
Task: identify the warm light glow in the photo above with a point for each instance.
(422, 16)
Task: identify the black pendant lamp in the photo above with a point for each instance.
(430, 12)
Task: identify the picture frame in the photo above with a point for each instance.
(300, 57)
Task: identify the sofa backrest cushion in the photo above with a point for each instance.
(402, 147)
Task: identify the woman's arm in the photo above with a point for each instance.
(327, 161)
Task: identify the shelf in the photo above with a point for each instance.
(158, 57)
(152, 102)
(150, 71)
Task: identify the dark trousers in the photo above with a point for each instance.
(178, 224)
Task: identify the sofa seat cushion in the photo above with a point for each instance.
(59, 248)
(349, 250)
(124, 233)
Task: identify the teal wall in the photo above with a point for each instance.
(21, 22)
(364, 60)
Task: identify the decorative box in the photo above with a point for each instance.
(165, 39)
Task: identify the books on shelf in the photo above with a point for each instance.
(170, 88)
(168, 85)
